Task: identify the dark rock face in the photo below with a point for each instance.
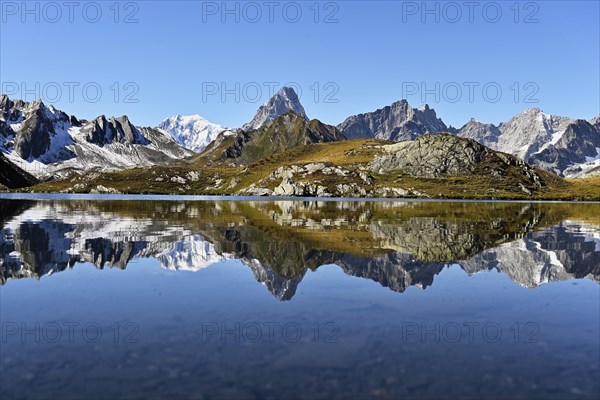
(580, 140)
(395, 271)
(35, 137)
(444, 155)
(115, 130)
(14, 177)
(397, 122)
(38, 126)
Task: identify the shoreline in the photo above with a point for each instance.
(184, 197)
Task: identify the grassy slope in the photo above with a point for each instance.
(229, 179)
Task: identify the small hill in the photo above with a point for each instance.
(285, 132)
(445, 155)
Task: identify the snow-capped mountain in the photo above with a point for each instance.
(47, 142)
(559, 144)
(398, 121)
(563, 145)
(530, 132)
(575, 154)
(284, 101)
(192, 132)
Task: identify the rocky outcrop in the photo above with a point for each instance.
(398, 121)
(445, 155)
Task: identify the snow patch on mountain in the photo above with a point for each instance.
(47, 142)
(192, 131)
(531, 132)
(193, 253)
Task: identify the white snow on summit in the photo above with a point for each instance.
(192, 131)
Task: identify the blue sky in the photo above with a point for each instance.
(153, 59)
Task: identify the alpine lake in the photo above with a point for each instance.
(222, 297)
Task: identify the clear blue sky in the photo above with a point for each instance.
(370, 54)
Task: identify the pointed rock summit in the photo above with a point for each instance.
(284, 101)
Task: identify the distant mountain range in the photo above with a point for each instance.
(566, 146)
(50, 144)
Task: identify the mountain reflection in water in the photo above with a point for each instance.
(396, 244)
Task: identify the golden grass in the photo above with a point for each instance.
(352, 154)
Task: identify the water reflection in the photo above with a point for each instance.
(395, 244)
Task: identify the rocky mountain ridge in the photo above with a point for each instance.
(397, 122)
(48, 143)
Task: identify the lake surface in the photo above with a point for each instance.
(214, 298)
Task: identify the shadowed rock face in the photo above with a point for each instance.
(14, 177)
(38, 124)
(102, 131)
(397, 245)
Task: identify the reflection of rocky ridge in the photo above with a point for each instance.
(551, 255)
(396, 271)
(395, 244)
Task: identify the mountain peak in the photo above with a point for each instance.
(398, 121)
(191, 131)
(287, 91)
(284, 101)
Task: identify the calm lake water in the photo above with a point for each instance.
(186, 298)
